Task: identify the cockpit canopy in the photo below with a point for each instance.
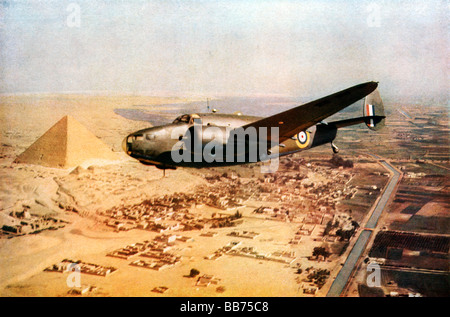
(189, 119)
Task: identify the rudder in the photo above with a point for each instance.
(373, 107)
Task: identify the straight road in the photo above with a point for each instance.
(382, 202)
(344, 274)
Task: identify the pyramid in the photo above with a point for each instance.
(67, 144)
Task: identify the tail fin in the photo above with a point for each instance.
(373, 106)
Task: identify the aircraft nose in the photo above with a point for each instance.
(125, 145)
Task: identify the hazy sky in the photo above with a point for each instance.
(295, 48)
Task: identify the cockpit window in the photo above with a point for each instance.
(189, 118)
(138, 137)
(150, 136)
(184, 119)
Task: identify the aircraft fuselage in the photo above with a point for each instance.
(155, 146)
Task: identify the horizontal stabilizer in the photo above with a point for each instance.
(353, 121)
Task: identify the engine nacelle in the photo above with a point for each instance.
(224, 143)
(200, 136)
(323, 134)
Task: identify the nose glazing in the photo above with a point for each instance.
(125, 145)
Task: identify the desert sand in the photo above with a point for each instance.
(92, 186)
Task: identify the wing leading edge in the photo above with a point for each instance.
(302, 117)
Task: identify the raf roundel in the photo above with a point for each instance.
(302, 139)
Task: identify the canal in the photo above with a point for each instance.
(344, 274)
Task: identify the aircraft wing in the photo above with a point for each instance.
(302, 117)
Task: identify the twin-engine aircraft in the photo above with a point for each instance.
(212, 139)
